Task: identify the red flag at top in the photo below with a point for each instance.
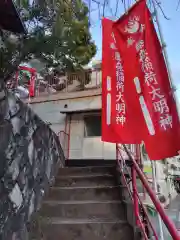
(145, 66)
(118, 120)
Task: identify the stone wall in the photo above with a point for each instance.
(30, 154)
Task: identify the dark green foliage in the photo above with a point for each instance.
(58, 35)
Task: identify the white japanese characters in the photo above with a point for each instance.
(159, 101)
(120, 104)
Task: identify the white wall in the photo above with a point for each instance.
(76, 137)
(50, 111)
(80, 147)
(88, 147)
(166, 187)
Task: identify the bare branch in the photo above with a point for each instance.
(124, 2)
(117, 3)
(97, 2)
(89, 9)
(104, 5)
(178, 5)
(160, 7)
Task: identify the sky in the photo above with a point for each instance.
(170, 29)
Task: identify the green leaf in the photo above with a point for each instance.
(58, 34)
(151, 210)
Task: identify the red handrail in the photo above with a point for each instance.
(169, 224)
(135, 202)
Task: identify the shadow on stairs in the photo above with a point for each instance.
(85, 203)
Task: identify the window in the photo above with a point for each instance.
(92, 126)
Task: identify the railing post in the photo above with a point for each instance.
(134, 188)
(135, 199)
(116, 152)
(146, 224)
(69, 137)
(153, 164)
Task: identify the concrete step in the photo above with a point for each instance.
(87, 193)
(77, 171)
(87, 210)
(55, 229)
(84, 181)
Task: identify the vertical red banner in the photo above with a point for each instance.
(32, 83)
(145, 67)
(118, 122)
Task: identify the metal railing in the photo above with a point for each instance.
(129, 173)
(64, 141)
(71, 82)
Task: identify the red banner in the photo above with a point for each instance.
(118, 122)
(32, 86)
(32, 81)
(145, 67)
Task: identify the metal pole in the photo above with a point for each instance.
(163, 44)
(153, 164)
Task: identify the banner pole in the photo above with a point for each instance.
(163, 45)
(164, 50)
(153, 165)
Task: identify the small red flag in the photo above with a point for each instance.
(118, 122)
(32, 83)
(144, 65)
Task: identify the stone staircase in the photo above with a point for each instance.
(84, 204)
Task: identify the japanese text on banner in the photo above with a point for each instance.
(159, 100)
(120, 104)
